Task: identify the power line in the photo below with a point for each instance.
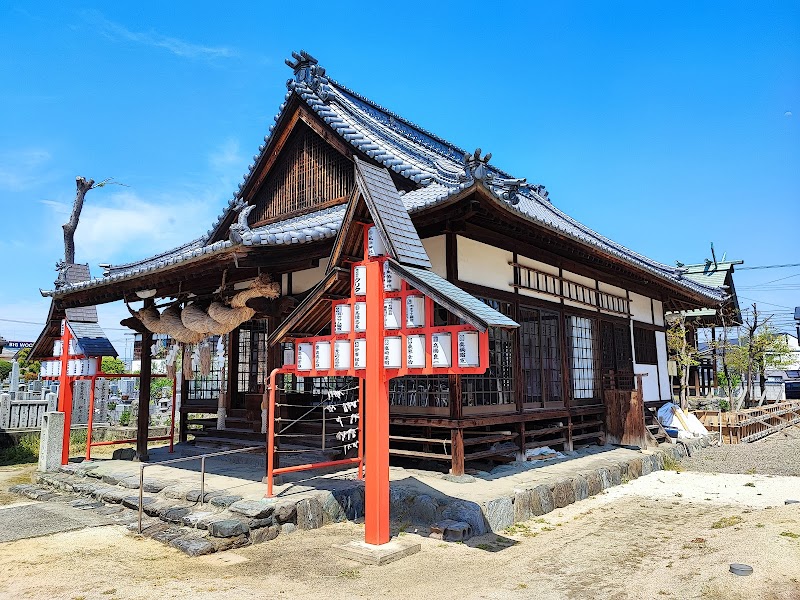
(43, 324)
(769, 267)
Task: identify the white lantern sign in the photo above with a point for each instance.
(360, 354)
(360, 281)
(341, 355)
(360, 316)
(441, 350)
(415, 311)
(415, 351)
(322, 355)
(468, 355)
(305, 356)
(392, 352)
(342, 318)
(391, 313)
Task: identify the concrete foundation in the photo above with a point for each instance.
(51, 441)
(379, 555)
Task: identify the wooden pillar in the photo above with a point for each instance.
(457, 451)
(145, 379)
(376, 488)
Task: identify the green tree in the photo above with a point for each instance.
(27, 369)
(157, 385)
(5, 369)
(112, 365)
(684, 354)
(759, 348)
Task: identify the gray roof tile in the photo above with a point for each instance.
(414, 153)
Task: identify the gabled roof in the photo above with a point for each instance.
(390, 216)
(453, 298)
(92, 339)
(438, 169)
(710, 273)
(84, 318)
(378, 202)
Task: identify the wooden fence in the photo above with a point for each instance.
(750, 424)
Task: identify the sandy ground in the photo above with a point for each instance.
(652, 538)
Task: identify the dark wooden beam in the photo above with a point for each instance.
(145, 379)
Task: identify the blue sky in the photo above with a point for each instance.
(664, 126)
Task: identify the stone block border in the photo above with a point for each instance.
(174, 516)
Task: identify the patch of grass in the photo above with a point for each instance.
(350, 574)
(109, 592)
(522, 586)
(749, 484)
(790, 534)
(25, 451)
(484, 546)
(670, 464)
(548, 528)
(541, 520)
(760, 525)
(751, 471)
(727, 522)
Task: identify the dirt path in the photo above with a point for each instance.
(652, 538)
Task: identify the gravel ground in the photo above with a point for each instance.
(777, 454)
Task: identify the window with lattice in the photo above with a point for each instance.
(309, 174)
(644, 342)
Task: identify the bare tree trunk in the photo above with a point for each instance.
(83, 185)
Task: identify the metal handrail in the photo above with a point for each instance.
(201, 457)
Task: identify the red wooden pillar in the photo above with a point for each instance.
(65, 393)
(376, 488)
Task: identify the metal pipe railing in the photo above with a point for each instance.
(201, 457)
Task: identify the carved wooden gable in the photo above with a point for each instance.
(308, 175)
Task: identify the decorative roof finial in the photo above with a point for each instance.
(240, 227)
(307, 70)
(476, 168)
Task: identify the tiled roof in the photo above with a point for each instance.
(710, 273)
(390, 215)
(92, 339)
(453, 298)
(439, 167)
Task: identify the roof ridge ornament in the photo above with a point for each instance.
(308, 70)
(238, 229)
(476, 168)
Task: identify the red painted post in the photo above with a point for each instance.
(361, 429)
(65, 393)
(271, 431)
(376, 489)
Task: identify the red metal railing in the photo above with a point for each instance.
(271, 418)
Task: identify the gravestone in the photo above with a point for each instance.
(51, 441)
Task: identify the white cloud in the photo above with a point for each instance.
(22, 169)
(176, 46)
(121, 227)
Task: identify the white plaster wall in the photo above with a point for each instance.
(611, 289)
(649, 381)
(658, 312)
(543, 268)
(663, 370)
(640, 308)
(587, 281)
(484, 265)
(436, 249)
(307, 279)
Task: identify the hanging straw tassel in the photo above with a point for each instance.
(205, 359)
(188, 373)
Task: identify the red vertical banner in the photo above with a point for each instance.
(376, 487)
